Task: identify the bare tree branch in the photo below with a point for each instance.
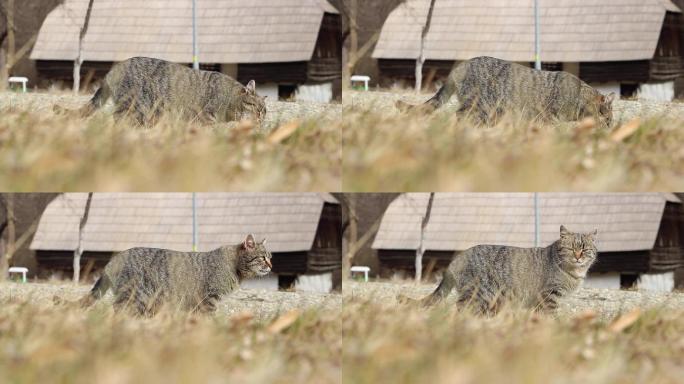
(421, 55)
(22, 51)
(421, 247)
(79, 57)
(79, 247)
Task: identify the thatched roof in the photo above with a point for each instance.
(625, 221)
(119, 221)
(229, 31)
(571, 30)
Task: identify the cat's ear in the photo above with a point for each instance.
(251, 87)
(608, 99)
(263, 241)
(593, 234)
(564, 231)
(249, 242)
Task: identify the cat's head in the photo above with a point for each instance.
(253, 105)
(254, 259)
(605, 108)
(577, 250)
(596, 105)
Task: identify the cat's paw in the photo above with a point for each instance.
(404, 106)
(403, 299)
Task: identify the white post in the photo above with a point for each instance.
(419, 256)
(537, 47)
(537, 240)
(421, 245)
(195, 59)
(194, 222)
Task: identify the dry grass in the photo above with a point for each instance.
(61, 344)
(385, 150)
(386, 342)
(41, 150)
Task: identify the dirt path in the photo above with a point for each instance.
(262, 304)
(277, 113)
(606, 302)
(624, 110)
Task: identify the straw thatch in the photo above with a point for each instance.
(571, 30)
(229, 31)
(625, 221)
(119, 221)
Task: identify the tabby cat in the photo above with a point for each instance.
(485, 276)
(143, 279)
(487, 87)
(144, 88)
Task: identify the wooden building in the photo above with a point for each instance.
(631, 47)
(302, 229)
(291, 48)
(640, 235)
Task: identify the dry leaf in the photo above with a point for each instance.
(586, 124)
(283, 132)
(585, 316)
(245, 125)
(242, 317)
(588, 353)
(624, 321)
(283, 321)
(625, 130)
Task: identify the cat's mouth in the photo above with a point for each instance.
(263, 271)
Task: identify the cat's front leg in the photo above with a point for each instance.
(209, 304)
(549, 301)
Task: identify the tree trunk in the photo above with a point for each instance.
(419, 70)
(4, 266)
(11, 227)
(353, 239)
(77, 74)
(4, 73)
(11, 56)
(79, 55)
(11, 49)
(7, 246)
(421, 55)
(79, 247)
(421, 246)
(6, 61)
(348, 67)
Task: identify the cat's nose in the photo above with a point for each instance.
(578, 255)
(268, 262)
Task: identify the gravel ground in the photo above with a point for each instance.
(277, 113)
(262, 304)
(623, 110)
(606, 302)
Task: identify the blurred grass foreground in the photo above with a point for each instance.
(44, 342)
(297, 149)
(393, 343)
(387, 150)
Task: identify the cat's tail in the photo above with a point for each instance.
(96, 102)
(439, 294)
(443, 94)
(99, 289)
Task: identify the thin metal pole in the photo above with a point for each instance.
(195, 58)
(537, 240)
(194, 222)
(537, 47)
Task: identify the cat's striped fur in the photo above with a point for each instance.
(485, 276)
(143, 88)
(487, 87)
(144, 279)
